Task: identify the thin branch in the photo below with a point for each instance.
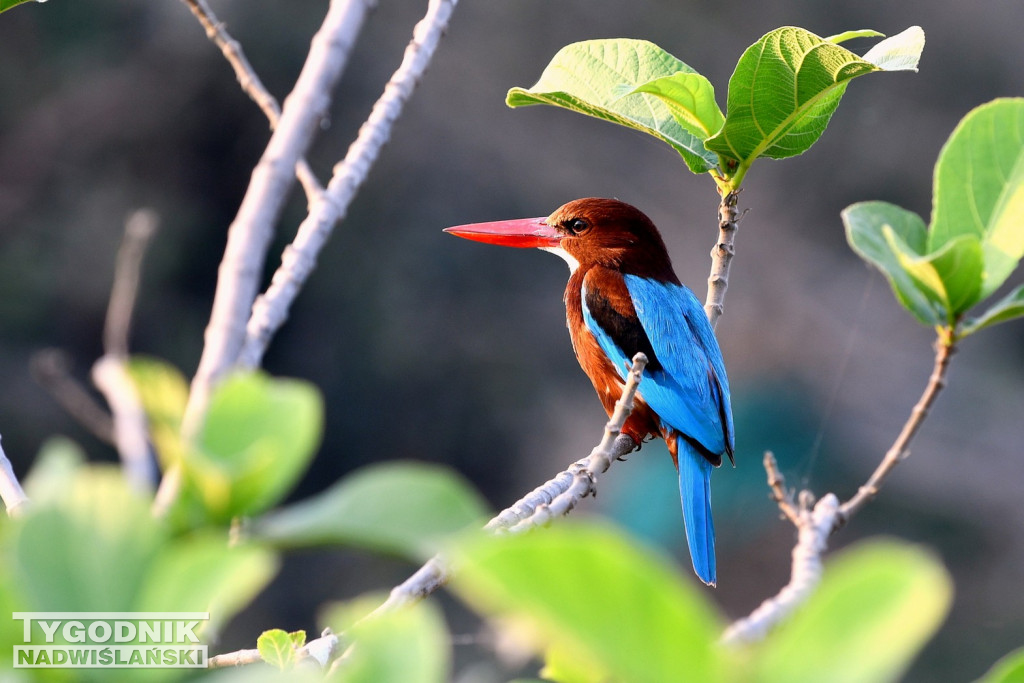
(900, 448)
(11, 492)
(138, 231)
(721, 256)
(51, 369)
(556, 497)
(828, 516)
(250, 233)
(777, 484)
(814, 527)
(131, 435)
(251, 84)
(110, 373)
(298, 260)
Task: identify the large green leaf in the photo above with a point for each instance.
(691, 99)
(199, 572)
(8, 4)
(787, 85)
(979, 187)
(403, 508)
(867, 224)
(950, 277)
(601, 78)
(597, 597)
(257, 439)
(84, 544)
(877, 605)
(1009, 307)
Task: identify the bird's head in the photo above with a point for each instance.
(585, 232)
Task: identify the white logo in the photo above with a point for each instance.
(116, 640)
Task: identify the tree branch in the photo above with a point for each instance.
(815, 526)
(900, 448)
(298, 260)
(721, 256)
(10, 489)
(50, 368)
(250, 233)
(251, 84)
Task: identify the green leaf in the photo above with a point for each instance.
(258, 437)
(867, 224)
(979, 187)
(850, 35)
(410, 645)
(691, 99)
(8, 4)
(878, 604)
(201, 573)
(403, 508)
(1009, 307)
(163, 391)
(950, 277)
(783, 93)
(277, 648)
(598, 78)
(597, 597)
(85, 544)
(1009, 669)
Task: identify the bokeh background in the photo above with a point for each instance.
(437, 349)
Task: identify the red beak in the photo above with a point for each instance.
(522, 232)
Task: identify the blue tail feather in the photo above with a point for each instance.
(695, 492)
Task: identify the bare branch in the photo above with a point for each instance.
(900, 448)
(10, 489)
(51, 369)
(250, 233)
(131, 435)
(721, 256)
(777, 484)
(298, 260)
(814, 526)
(251, 84)
(138, 231)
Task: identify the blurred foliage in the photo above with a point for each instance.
(108, 105)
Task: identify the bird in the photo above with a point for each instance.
(624, 297)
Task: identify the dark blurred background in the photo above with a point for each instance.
(438, 349)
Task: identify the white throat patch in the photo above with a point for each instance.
(565, 256)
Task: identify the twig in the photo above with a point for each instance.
(298, 260)
(50, 368)
(131, 436)
(11, 492)
(828, 516)
(900, 448)
(110, 373)
(250, 233)
(251, 84)
(558, 496)
(721, 256)
(777, 484)
(814, 527)
(138, 231)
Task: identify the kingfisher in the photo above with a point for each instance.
(623, 297)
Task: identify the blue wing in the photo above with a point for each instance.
(689, 389)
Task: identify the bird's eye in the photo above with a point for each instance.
(576, 226)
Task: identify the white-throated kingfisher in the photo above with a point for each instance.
(624, 297)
